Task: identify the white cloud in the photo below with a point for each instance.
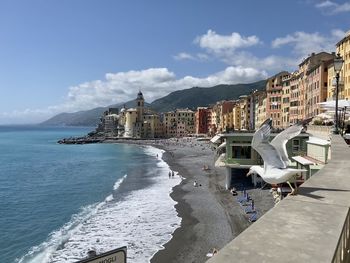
(326, 4)
(184, 56)
(154, 83)
(187, 56)
(305, 43)
(333, 8)
(123, 86)
(216, 43)
(230, 49)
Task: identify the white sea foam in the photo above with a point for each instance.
(119, 182)
(143, 221)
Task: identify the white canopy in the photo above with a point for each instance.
(331, 104)
(223, 145)
(215, 139)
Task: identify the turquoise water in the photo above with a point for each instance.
(54, 199)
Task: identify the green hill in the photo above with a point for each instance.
(196, 97)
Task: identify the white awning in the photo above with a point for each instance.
(215, 139)
(302, 160)
(331, 104)
(223, 145)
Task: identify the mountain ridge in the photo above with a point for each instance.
(187, 98)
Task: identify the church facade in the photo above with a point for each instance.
(135, 122)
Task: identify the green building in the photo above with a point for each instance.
(240, 154)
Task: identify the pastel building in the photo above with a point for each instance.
(294, 98)
(274, 98)
(285, 101)
(244, 104)
(343, 49)
(236, 117)
(260, 109)
(316, 82)
(179, 123)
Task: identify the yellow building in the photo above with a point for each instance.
(331, 82)
(294, 98)
(260, 110)
(169, 124)
(185, 122)
(179, 123)
(244, 103)
(236, 117)
(285, 101)
(343, 48)
(228, 121)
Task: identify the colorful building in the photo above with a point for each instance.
(244, 104)
(285, 101)
(343, 49)
(316, 82)
(274, 98)
(203, 120)
(179, 123)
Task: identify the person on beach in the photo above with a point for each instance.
(169, 174)
(195, 184)
(172, 173)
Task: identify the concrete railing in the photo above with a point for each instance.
(319, 131)
(313, 226)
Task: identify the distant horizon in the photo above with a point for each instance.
(56, 59)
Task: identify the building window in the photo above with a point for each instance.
(241, 152)
(296, 146)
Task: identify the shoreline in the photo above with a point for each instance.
(210, 216)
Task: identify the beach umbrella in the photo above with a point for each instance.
(324, 116)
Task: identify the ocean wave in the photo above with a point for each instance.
(143, 220)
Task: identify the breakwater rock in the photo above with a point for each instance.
(80, 140)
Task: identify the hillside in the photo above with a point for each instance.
(187, 98)
(196, 96)
(84, 118)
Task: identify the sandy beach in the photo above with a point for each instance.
(211, 216)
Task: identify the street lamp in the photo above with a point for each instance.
(338, 64)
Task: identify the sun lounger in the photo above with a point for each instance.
(249, 209)
(253, 217)
(243, 198)
(244, 204)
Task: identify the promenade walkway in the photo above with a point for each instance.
(313, 226)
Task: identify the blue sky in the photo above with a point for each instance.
(70, 55)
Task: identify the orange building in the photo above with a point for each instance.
(274, 98)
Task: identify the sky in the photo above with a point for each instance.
(71, 55)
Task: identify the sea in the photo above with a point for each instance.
(57, 202)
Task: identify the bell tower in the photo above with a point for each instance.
(140, 102)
